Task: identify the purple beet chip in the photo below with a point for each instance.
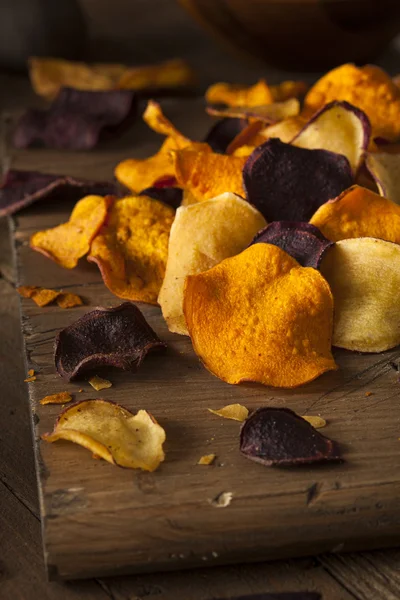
(277, 437)
(22, 188)
(304, 242)
(105, 337)
(286, 183)
(77, 119)
(224, 132)
(169, 195)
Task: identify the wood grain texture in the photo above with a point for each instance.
(99, 519)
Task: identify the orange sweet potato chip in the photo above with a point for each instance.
(61, 398)
(131, 250)
(169, 74)
(288, 89)
(68, 300)
(27, 291)
(44, 296)
(368, 88)
(359, 212)
(233, 94)
(260, 316)
(67, 243)
(207, 174)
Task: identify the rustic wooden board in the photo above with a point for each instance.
(98, 519)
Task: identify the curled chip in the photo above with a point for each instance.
(268, 113)
(77, 120)
(67, 243)
(61, 398)
(169, 195)
(223, 133)
(304, 242)
(113, 433)
(338, 127)
(207, 174)
(289, 183)
(385, 169)
(22, 188)
(118, 337)
(368, 88)
(261, 317)
(233, 94)
(277, 437)
(364, 275)
(131, 249)
(202, 235)
(49, 75)
(359, 212)
(158, 122)
(236, 412)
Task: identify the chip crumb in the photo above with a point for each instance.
(222, 500)
(31, 372)
(67, 300)
(61, 398)
(81, 390)
(207, 459)
(214, 554)
(29, 379)
(315, 421)
(368, 394)
(237, 412)
(98, 383)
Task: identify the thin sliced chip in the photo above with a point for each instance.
(106, 337)
(285, 130)
(277, 437)
(233, 94)
(338, 127)
(61, 398)
(368, 88)
(131, 250)
(112, 433)
(223, 133)
(261, 317)
(43, 296)
(207, 175)
(22, 188)
(315, 421)
(98, 383)
(207, 459)
(359, 212)
(158, 122)
(68, 300)
(202, 235)
(67, 243)
(288, 89)
(49, 75)
(77, 120)
(287, 183)
(304, 242)
(267, 113)
(236, 412)
(364, 275)
(385, 169)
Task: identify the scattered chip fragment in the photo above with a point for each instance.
(236, 412)
(279, 437)
(314, 420)
(112, 433)
(61, 398)
(207, 459)
(222, 500)
(68, 300)
(98, 383)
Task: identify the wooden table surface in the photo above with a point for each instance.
(364, 576)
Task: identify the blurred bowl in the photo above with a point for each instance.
(302, 34)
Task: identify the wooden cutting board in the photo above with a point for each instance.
(100, 519)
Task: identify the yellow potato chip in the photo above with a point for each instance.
(207, 459)
(207, 174)
(202, 235)
(237, 412)
(315, 421)
(259, 316)
(61, 398)
(98, 383)
(131, 250)
(364, 276)
(368, 88)
(68, 242)
(112, 433)
(233, 94)
(358, 212)
(288, 89)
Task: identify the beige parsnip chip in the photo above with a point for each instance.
(207, 459)
(61, 398)
(364, 276)
(385, 169)
(131, 249)
(98, 383)
(112, 433)
(233, 94)
(67, 243)
(260, 316)
(236, 412)
(208, 174)
(358, 212)
(315, 421)
(202, 235)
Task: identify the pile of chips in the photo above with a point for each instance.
(269, 242)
